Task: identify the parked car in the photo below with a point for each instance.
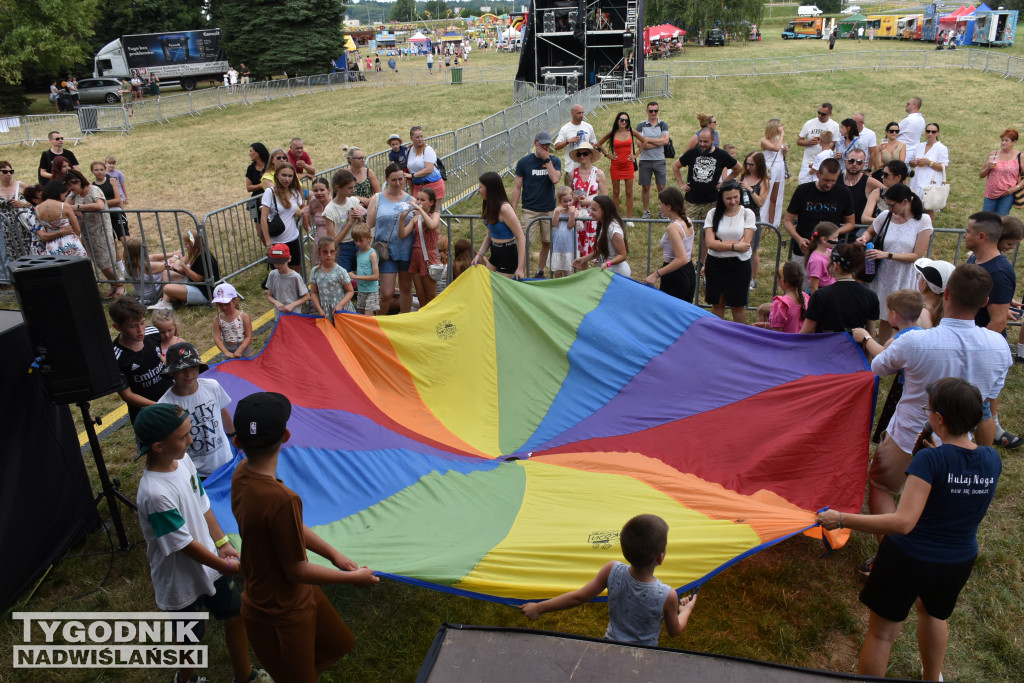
(99, 91)
(852, 9)
(808, 11)
(715, 36)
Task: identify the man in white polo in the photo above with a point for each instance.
(955, 348)
(570, 136)
(812, 130)
(912, 128)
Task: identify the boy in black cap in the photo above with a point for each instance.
(292, 627)
(190, 557)
(206, 403)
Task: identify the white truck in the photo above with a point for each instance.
(176, 58)
(808, 11)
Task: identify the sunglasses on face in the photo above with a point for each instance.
(623, 120)
(933, 132)
(832, 242)
(280, 157)
(583, 154)
(8, 171)
(822, 113)
(653, 111)
(855, 161)
(56, 139)
(886, 174)
(893, 130)
(712, 121)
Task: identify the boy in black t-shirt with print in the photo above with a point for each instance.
(137, 350)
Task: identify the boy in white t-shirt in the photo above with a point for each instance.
(206, 403)
(190, 557)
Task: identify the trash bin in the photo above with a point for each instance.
(457, 75)
(88, 119)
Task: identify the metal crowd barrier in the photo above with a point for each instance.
(13, 131)
(161, 231)
(965, 58)
(204, 100)
(38, 127)
(232, 235)
(528, 97)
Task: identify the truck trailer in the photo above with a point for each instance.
(179, 57)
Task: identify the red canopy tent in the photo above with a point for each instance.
(663, 32)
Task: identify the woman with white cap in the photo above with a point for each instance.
(933, 276)
(588, 181)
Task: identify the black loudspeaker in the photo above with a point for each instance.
(67, 326)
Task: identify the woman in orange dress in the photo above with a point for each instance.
(623, 156)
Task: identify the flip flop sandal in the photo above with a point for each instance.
(1008, 440)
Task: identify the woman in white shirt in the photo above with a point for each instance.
(344, 211)
(284, 199)
(422, 164)
(728, 232)
(930, 162)
(610, 248)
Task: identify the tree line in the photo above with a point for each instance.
(42, 41)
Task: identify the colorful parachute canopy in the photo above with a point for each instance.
(494, 443)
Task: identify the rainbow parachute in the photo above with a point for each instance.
(494, 443)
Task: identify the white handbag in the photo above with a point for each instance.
(436, 270)
(934, 195)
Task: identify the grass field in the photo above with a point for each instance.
(786, 604)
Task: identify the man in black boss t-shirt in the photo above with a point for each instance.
(814, 202)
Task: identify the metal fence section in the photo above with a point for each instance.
(108, 119)
(464, 168)
(230, 231)
(38, 127)
(529, 97)
(988, 61)
(210, 98)
(166, 108)
(233, 236)
(654, 84)
(13, 131)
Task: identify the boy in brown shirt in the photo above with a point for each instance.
(292, 627)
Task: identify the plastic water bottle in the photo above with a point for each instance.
(869, 264)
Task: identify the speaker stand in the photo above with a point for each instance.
(109, 490)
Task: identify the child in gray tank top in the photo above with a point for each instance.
(637, 601)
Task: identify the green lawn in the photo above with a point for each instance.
(786, 604)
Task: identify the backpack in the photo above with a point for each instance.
(670, 148)
(441, 169)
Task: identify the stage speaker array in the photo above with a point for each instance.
(67, 327)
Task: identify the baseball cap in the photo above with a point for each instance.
(280, 253)
(934, 273)
(394, 136)
(182, 356)
(543, 137)
(224, 293)
(155, 423)
(261, 418)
